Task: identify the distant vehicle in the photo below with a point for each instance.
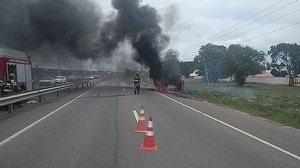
(60, 79)
(47, 81)
(71, 79)
(79, 78)
(90, 77)
(74, 78)
(97, 76)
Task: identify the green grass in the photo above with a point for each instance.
(274, 102)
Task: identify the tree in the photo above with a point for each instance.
(278, 73)
(187, 67)
(286, 56)
(242, 61)
(211, 55)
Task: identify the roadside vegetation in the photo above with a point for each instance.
(215, 62)
(274, 102)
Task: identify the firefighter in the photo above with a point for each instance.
(7, 89)
(137, 82)
(10, 87)
(2, 85)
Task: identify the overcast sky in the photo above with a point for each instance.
(198, 20)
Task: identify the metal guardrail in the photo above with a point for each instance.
(11, 100)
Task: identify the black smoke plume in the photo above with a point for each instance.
(65, 25)
(78, 28)
(140, 25)
(171, 69)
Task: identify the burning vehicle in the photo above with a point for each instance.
(171, 79)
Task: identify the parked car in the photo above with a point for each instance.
(97, 76)
(47, 81)
(60, 79)
(72, 79)
(79, 78)
(90, 77)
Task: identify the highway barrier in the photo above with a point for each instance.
(11, 100)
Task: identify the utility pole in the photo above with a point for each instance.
(206, 71)
(91, 68)
(148, 78)
(80, 65)
(58, 65)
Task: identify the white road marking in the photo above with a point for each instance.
(136, 115)
(7, 140)
(237, 129)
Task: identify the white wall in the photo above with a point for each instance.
(275, 80)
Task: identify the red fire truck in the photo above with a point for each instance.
(15, 67)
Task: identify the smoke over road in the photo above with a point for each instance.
(78, 28)
(171, 69)
(140, 25)
(67, 26)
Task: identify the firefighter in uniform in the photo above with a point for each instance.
(137, 82)
(7, 88)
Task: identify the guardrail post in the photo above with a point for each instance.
(76, 87)
(69, 90)
(10, 108)
(57, 93)
(40, 99)
(82, 86)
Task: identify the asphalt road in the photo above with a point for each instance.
(95, 128)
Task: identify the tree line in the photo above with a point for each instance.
(216, 62)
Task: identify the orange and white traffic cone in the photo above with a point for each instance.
(149, 141)
(142, 110)
(140, 127)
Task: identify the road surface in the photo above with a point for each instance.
(94, 127)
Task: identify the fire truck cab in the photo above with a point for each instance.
(15, 67)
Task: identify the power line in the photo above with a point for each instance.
(264, 24)
(247, 18)
(238, 23)
(190, 51)
(271, 32)
(258, 19)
